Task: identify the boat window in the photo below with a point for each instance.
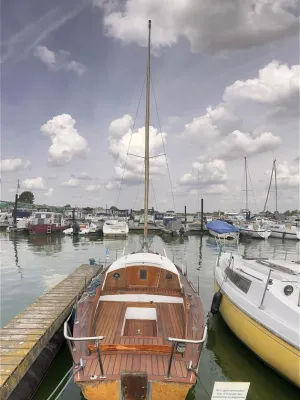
(240, 281)
(143, 274)
(169, 276)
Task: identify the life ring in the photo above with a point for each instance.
(215, 304)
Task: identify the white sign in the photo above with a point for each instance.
(230, 390)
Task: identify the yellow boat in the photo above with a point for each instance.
(260, 302)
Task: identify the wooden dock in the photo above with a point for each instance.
(24, 338)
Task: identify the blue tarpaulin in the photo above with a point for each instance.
(221, 227)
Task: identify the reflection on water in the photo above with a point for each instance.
(32, 265)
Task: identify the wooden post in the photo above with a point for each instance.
(202, 214)
(185, 215)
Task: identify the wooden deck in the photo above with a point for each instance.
(26, 335)
(125, 353)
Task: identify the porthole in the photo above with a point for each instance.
(288, 290)
(143, 274)
(116, 275)
(169, 276)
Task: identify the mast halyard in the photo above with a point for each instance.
(147, 122)
(246, 175)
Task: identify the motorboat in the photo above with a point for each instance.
(115, 227)
(259, 299)
(169, 216)
(223, 230)
(46, 222)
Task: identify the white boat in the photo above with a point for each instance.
(115, 227)
(254, 231)
(222, 230)
(20, 226)
(260, 302)
(169, 216)
(281, 231)
(151, 220)
(4, 219)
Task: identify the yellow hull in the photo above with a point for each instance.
(278, 354)
(109, 390)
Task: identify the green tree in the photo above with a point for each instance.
(26, 197)
(67, 206)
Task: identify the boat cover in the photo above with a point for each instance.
(219, 226)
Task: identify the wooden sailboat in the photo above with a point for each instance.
(139, 332)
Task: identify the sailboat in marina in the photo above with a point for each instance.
(252, 229)
(139, 329)
(277, 229)
(259, 299)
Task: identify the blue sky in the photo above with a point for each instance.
(73, 67)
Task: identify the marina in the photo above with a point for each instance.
(22, 257)
(134, 272)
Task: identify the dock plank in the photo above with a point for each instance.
(26, 335)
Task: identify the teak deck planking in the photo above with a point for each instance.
(172, 321)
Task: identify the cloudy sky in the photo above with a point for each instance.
(225, 75)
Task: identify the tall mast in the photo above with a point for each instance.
(147, 121)
(275, 176)
(246, 174)
(265, 206)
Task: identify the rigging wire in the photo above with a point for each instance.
(253, 193)
(154, 197)
(138, 189)
(162, 139)
(132, 130)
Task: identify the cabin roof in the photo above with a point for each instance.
(151, 259)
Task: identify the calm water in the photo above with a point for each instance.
(30, 266)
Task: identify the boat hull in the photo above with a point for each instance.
(285, 235)
(255, 234)
(110, 390)
(46, 229)
(227, 235)
(279, 355)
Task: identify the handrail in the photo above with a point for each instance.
(186, 341)
(97, 340)
(190, 341)
(78, 338)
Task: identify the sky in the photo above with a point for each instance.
(225, 85)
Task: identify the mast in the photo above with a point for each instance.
(147, 121)
(275, 176)
(274, 161)
(16, 204)
(246, 183)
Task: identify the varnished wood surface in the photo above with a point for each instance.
(140, 327)
(121, 353)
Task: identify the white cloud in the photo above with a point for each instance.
(213, 123)
(93, 188)
(120, 137)
(84, 176)
(35, 183)
(14, 164)
(49, 193)
(276, 84)
(239, 144)
(288, 176)
(209, 178)
(59, 61)
(73, 183)
(66, 141)
(218, 27)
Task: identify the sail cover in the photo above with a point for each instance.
(221, 227)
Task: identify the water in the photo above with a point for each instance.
(30, 266)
